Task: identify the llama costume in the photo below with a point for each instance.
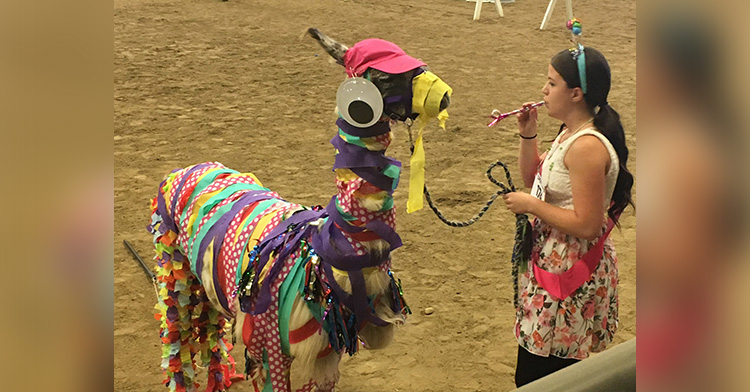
(303, 283)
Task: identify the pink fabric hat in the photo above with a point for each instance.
(379, 54)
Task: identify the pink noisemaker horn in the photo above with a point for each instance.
(499, 116)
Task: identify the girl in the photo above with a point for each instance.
(579, 188)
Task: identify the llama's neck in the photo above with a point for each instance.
(365, 180)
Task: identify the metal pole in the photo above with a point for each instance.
(140, 261)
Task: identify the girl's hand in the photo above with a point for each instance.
(520, 202)
(527, 121)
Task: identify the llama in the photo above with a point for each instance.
(302, 284)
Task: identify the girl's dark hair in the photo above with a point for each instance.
(606, 119)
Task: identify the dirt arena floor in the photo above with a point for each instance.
(236, 82)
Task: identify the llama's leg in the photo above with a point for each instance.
(266, 365)
(313, 358)
(174, 281)
(327, 387)
(249, 334)
(278, 363)
(376, 337)
(312, 386)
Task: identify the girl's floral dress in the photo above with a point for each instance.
(586, 321)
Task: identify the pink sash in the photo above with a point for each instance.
(563, 285)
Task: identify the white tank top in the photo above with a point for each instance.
(555, 178)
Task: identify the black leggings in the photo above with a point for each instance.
(531, 367)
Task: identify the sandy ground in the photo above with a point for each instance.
(234, 82)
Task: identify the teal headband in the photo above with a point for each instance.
(579, 55)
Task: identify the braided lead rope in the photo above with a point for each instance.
(521, 246)
(521, 252)
(503, 190)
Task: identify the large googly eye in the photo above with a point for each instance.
(359, 102)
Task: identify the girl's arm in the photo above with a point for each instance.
(587, 161)
(529, 158)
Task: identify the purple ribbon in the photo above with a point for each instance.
(380, 228)
(161, 204)
(336, 251)
(400, 98)
(217, 233)
(289, 243)
(179, 377)
(365, 163)
(355, 156)
(220, 226)
(172, 314)
(358, 300)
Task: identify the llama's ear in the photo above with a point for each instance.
(336, 49)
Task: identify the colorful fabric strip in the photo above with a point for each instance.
(562, 285)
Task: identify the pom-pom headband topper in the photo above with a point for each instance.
(579, 55)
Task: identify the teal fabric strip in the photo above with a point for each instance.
(287, 293)
(346, 216)
(259, 209)
(202, 185)
(394, 172)
(316, 309)
(267, 387)
(216, 199)
(199, 235)
(387, 204)
(357, 141)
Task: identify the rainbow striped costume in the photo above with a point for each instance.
(228, 247)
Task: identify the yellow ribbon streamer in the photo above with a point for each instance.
(416, 177)
(428, 91)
